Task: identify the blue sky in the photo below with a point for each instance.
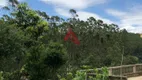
(126, 13)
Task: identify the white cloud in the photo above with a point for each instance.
(63, 12)
(83, 15)
(62, 7)
(3, 3)
(74, 4)
(130, 20)
(20, 0)
(116, 12)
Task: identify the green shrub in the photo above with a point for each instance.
(1, 75)
(81, 75)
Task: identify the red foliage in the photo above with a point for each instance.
(71, 35)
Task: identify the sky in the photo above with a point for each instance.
(125, 13)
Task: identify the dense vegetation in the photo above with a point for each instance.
(32, 45)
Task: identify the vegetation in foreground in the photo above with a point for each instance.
(32, 45)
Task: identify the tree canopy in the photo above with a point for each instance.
(32, 44)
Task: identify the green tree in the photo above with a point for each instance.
(12, 49)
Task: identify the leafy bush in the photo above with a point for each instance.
(44, 61)
(55, 55)
(1, 75)
(81, 75)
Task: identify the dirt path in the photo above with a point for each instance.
(135, 78)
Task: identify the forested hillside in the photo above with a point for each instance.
(32, 44)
